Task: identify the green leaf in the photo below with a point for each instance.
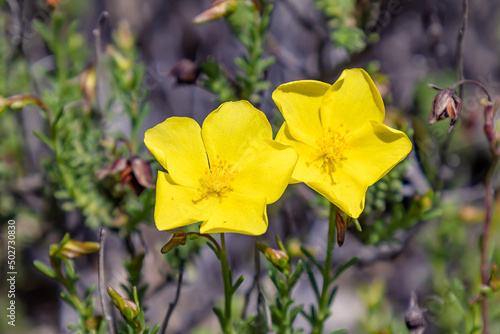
(314, 284)
(332, 295)
(295, 311)
(43, 138)
(219, 314)
(237, 284)
(340, 331)
(155, 329)
(45, 269)
(311, 258)
(345, 266)
(212, 247)
(299, 269)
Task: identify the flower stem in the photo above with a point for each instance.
(227, 326)
(486, 241)
(323, 312)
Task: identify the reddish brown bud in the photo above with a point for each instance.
(185, 71)
(277, 257)
(142, 172)
(134, 171)
(446, 104)
(218, 8)
(341, 222)
(178, 239)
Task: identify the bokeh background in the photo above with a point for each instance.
(404, 44)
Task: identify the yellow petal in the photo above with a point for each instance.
(237, 213)
(374, 150)
(176, 144)
(304, 170)
(352, 100)
(177, 205)
(230, 130)
(347, 193)
(300, 102)
(265, 170)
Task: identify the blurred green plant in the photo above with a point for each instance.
(249, 22)
(379, 317)
(62, 269)
(283, 312)
(343, 22)
(132, 314)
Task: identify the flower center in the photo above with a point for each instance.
(331, 147)
(217, 179)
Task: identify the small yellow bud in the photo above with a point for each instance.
(124, 38)
(123, 63)
(277, 257)
(219, 8)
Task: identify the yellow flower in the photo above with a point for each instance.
(223, 175)
(338, 133)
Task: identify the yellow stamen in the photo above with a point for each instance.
(217, 180)
(331, 147)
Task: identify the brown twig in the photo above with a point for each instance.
(173, 304)
(485, 268)
(460, 44)
(101, 286)
(459, 54)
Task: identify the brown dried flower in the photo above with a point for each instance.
(446, 104)
(185, 71)
(133, 171)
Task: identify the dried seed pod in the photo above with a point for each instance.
(185, 71)
(446, 104)
(414, 316)
(341, 222)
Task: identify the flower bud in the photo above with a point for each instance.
(218, 8)
(178, 239)
(277, 257)
(53, 3)
(88, 81)
(341, 222)
(124, 64)
(72, 249)
(494, 281)
(128, 309)
(123, 36)
(185, 71)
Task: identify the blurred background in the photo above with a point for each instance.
(108, 70)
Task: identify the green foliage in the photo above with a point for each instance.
(341, 15)
(62, 269)
(380, 318)
(249, 24)
(132, 314)
(217, 81)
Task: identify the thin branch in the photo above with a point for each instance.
(102, 288)
(460, 44)
(255, 283)
(459, 54)
(173, 304)
(485, 268)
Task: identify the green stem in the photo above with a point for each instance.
(227, 326)
(286, 325)
(323, 311)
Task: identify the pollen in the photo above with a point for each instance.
(216, 181)
(331, 146)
